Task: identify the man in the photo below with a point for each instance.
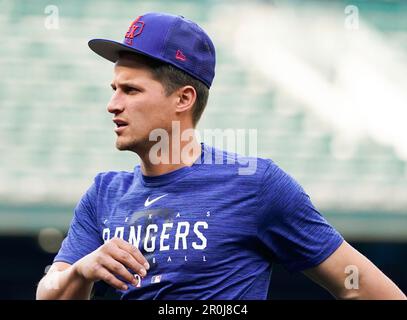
(185, 224)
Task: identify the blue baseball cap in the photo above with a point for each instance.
(168, 38)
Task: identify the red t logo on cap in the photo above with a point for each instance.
(134, 30)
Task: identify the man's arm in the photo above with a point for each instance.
(113, 259)
(63, 282)
(368, 281)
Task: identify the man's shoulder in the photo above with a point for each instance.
(245, 165)
(255, 171)
(106, 178)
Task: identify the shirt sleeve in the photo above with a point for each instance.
(83, 236)
(289, 225)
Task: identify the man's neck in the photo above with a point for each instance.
(180, 155)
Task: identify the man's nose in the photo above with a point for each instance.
(115, 104)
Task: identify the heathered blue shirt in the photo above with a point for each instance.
(207, 231)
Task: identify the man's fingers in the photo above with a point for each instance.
(134, 252)
(110, 279)
(118, 269)
(128, 261)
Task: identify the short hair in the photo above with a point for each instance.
(172, 79)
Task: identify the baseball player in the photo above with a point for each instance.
(185, 224)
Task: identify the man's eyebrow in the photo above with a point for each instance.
(125, 84)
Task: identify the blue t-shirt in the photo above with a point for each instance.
(207, 231)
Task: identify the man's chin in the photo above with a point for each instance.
(122, 146)
(126, 145)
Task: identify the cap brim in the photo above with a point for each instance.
(111, 50)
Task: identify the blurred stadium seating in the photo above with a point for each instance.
(55, 133)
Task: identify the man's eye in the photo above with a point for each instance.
(130, 90)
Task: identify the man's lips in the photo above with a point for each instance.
(120, 125)
(120, 129)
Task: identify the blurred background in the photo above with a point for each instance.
(324, 83)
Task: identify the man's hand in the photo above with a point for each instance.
(111, 261)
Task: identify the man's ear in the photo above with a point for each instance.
(186, 97)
